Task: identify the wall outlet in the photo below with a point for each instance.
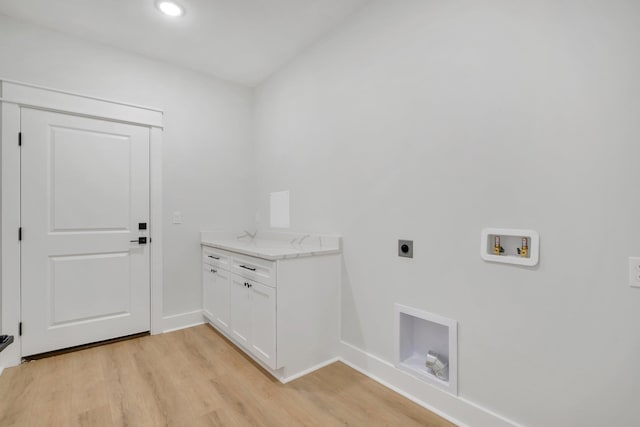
(177, 217)
(634, 272)
(405, 248)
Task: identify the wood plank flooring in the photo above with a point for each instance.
(193, 377)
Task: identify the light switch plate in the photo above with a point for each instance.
(634, 272)
(177, 217)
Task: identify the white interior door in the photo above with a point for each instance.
(85, 189)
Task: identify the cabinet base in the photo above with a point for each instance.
(280, 374)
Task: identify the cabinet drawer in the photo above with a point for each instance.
(258, 269)
(215, 258)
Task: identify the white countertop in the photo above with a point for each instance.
(272, 245)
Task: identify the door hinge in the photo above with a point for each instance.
(20, 139)
(20, 234)
(20, 329)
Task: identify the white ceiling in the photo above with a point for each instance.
(239, 40)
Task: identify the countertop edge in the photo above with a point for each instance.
(304, 254)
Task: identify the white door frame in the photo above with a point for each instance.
(13, 97)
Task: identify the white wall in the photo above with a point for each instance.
(429, 120)
(206, 140)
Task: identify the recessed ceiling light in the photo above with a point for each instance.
(170, 8)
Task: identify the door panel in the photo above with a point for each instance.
(80, 161)
(216, 296)
(263, 312)
(100, 280)
(85, 188)
(208, 292)
(240, 322)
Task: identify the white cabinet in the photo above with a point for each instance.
(283, 313)
(215, 295)
(243, 308)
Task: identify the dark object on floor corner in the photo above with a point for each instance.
(5, 341)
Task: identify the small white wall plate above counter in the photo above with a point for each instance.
(510, 244)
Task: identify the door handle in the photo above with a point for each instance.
(140, 241)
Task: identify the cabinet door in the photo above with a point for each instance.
(240, 309)
(263, 323)
(216, 296)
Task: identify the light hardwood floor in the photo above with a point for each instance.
(192, 377)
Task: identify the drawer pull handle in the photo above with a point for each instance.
(213, 257)
(247, 268)
(214, 271)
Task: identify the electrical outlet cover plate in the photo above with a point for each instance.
(634, 272)
(177, 217)
(405, 248)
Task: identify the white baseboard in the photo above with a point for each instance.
(182, 321)
(1, 369)
(453, 408)
(310, 370)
